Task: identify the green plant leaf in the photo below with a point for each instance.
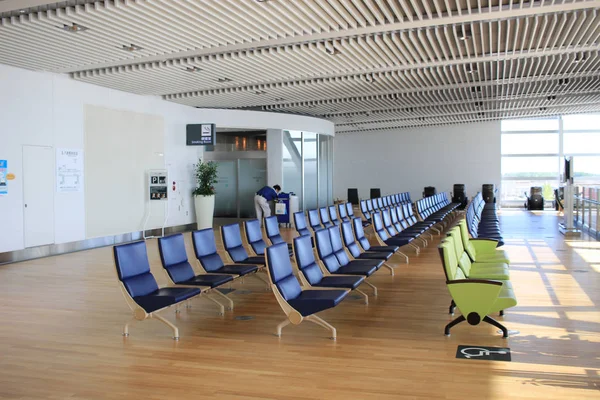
(206, 178)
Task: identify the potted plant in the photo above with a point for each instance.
(204, 194)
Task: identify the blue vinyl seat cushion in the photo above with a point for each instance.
(309, 302)
(165, 297)
(357, 269)
(212, 280)
(345, 282)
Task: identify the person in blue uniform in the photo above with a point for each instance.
(262, 198)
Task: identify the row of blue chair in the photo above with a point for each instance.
(343, 261)
(482, 220)
(141, 290)
(369, 206)
(437, 209)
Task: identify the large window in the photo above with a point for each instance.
(307, 168)
(532, 152)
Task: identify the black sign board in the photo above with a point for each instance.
(200, 134)
(483, 353)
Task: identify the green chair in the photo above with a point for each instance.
(476, 270)
(480, 249)
(475, 298)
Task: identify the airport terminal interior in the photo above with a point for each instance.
(300, 199)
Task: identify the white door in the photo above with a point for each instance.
(38, 195)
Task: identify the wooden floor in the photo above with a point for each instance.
(60, 336)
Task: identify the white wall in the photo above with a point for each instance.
(48, 110)
(409, 160)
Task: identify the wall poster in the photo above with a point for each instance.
(69, 170)
(3, 177)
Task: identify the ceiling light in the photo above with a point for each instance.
(331, 50)
(563, 81)
(131, 47)
(552, 97)
(279, 99)
(543, 108)
(479, 104)
(193, 69)
(471, 69)
(481, 114)
(370, 78)
(222, 80)
(260, 92)
(579, 57)
(476, 89)
(466, 33)
(74, 28)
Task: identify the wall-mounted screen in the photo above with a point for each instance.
(201, 134)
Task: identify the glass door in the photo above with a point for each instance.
(252, 177)
(227, 190)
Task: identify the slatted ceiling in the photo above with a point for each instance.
(348, 86)
(363, 54)
(393, 58)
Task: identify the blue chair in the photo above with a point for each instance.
(254, 237)
(141, 292)
(331, 261)
(311, 274)
(273, 233)
(382, 236)
(314, 221)
(296, 303)
(180, 273)
(300, 224)
(324, 215)
(356, 252)
(333, 215)
(232, 241)
(394, 234)
(343, 212)
(362, 240)
(205, 249)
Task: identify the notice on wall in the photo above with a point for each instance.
(157, 184)
(69, 170)
(3, 177)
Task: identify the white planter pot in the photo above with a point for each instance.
(205, 210)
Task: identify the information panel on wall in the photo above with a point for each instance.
(201, 134)
(157, 185)
(69, 170)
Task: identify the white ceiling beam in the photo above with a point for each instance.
(484, 15)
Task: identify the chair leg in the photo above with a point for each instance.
(452, 323)
(170, 325)
(390, 268)
(363, 294)
(497, 324)
(403, 255)
(451, 308)
(282, 325)
(126, 327)
(372, 287)
(316, 320)
(216, 291)
(417, 249)
(221, 307)
(264, 280)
